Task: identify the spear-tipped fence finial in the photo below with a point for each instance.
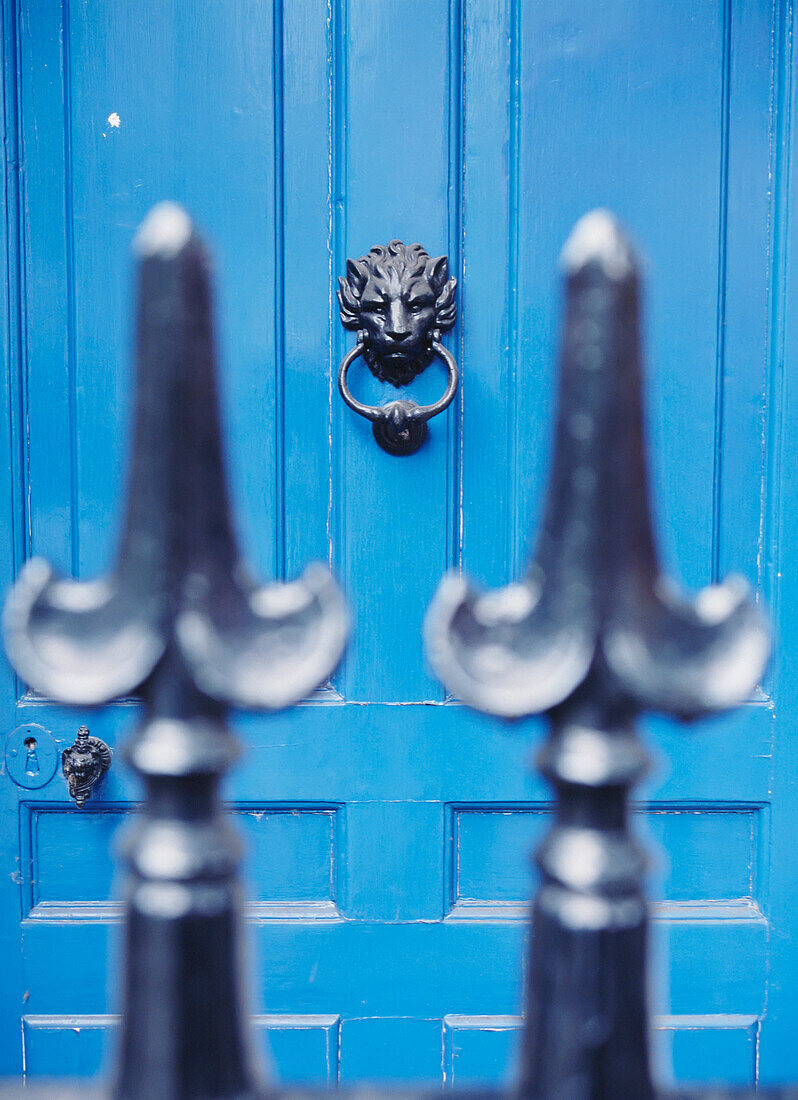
(593, 636)
(179, 620)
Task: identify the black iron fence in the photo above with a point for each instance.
(590, 636)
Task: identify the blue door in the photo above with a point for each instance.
(387, 827)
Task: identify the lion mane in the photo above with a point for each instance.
(405, 263)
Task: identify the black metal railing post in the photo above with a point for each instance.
(179, 620)
(592, 637)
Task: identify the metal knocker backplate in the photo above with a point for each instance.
(399, 300)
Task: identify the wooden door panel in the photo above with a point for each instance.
(80, 1044)
(392, 162)
(471, 1048)
(698, 1047)
(301, 859)
(388, 828)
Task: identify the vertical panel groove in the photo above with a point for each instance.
(23, 425)
(15, 296)
(70, 274)
(455, 107)
(14, 185)
(338, 156)
(768, 558)
(278, 94)
(720, 332)
(514, 548)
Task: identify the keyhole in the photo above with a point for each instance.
(32, 762)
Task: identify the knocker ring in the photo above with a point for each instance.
(399, 300)
(400, 427)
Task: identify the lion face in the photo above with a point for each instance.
(398, 298)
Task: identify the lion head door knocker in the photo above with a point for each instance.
(84, 764)
(399, 300)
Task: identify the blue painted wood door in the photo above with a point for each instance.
(387, 827)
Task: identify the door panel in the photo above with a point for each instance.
(78, 1045)
(387, 828)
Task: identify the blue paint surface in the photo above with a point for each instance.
(387, 830)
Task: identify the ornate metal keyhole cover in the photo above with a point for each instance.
(31, 756)
(399, 300)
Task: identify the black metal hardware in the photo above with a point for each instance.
(180, 619)
(84, 764)
(592, 636)
(399, 300)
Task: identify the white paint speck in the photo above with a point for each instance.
(114, 120)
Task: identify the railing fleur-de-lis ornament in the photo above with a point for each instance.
(179, 620)
(593, 636)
